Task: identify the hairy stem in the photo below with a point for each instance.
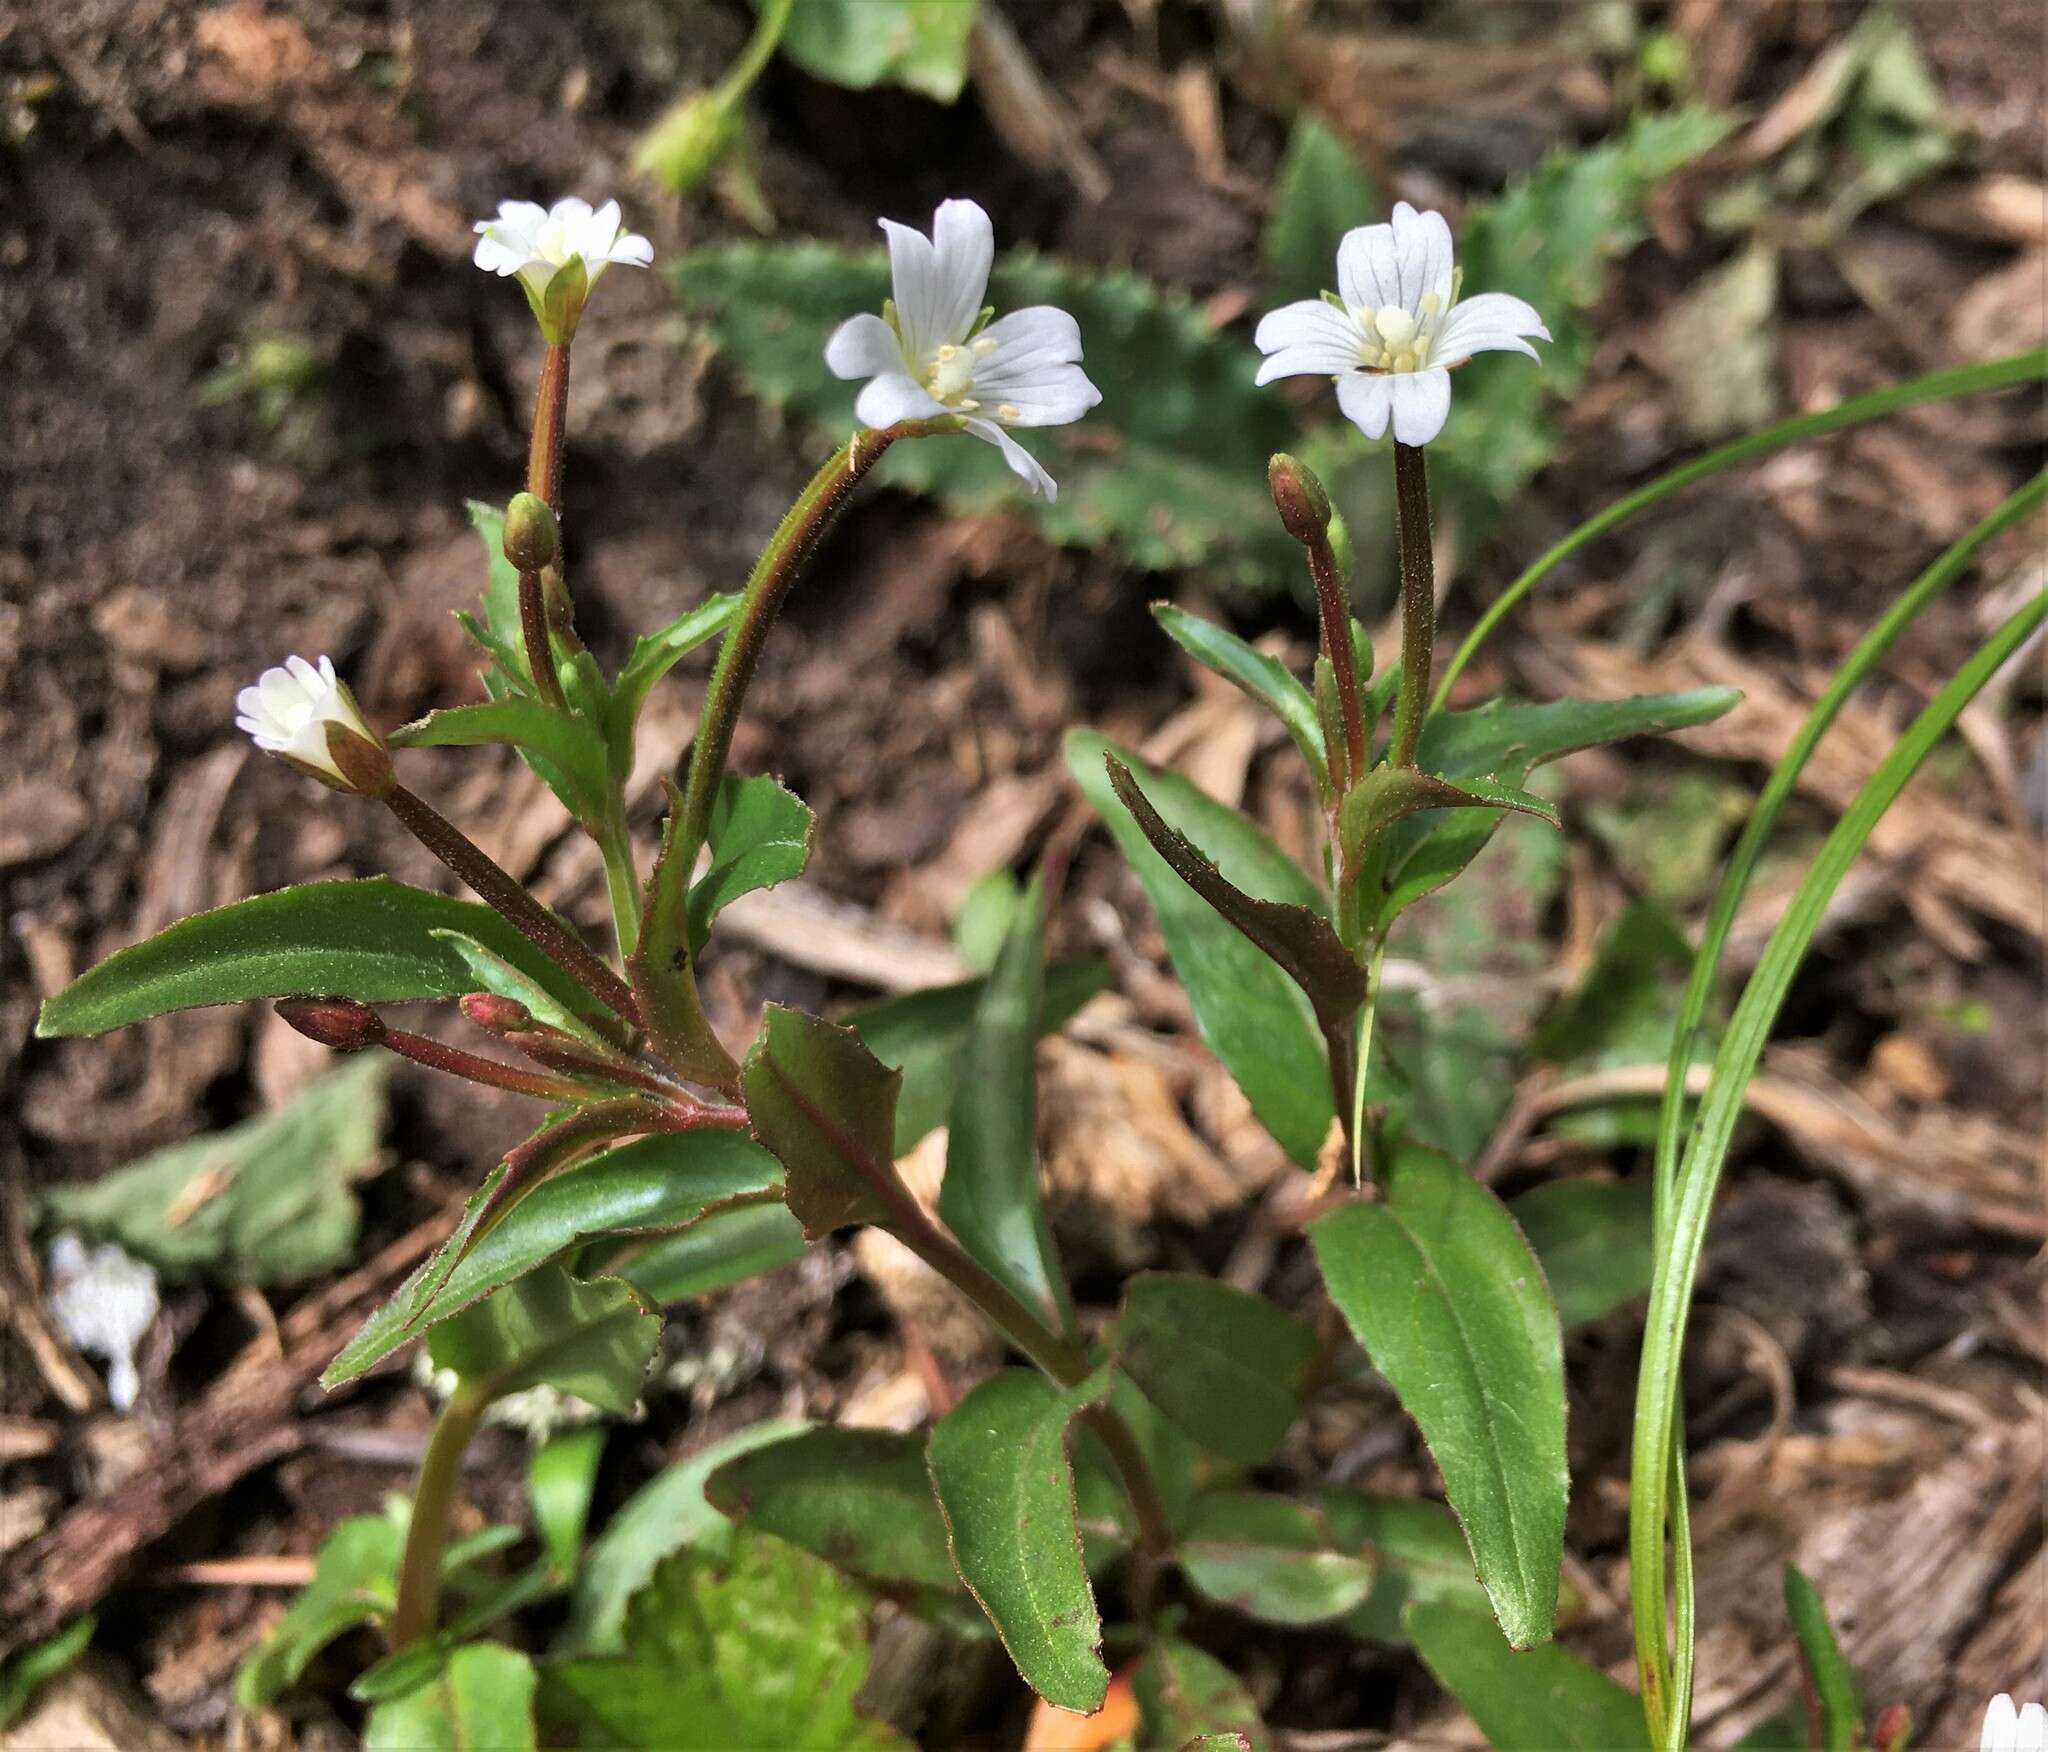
(795, 539)
(1333, 607)
(1418, 601)
(496, 886)
(550, 427)
(621, 878)
(433, 1506)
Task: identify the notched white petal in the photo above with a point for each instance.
(1367, 402)
(894, 396)
(1422, 401)
(863, 346)
(1023, 464)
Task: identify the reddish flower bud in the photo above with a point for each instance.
(341, 1023)
(1303, 505)
(499, 1015)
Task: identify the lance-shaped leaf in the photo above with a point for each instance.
(729, 1246)
(923, 1034)
(1299, 938)
(664, 974)
(1538, 1700)
(653, 656)
(1185, 1694)
(1271, 1557)
(990, 1197)
(1265, 679)
(1831, 1681)
(1505, 741)
(1443, 1292)
(651, 1186)
(760, 835)
(1594, 1239)
(495, 974)
(860, 1499)
(594, 1340)
(1225, 1366)
(999, 1462)
(826, 1106)
(1252, 1015)
(373, 940)
(1390, 794)
(567, 752)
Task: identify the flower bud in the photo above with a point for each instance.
(500, 1015)
(531, 539)
(306, 716)
(1299, 497)
(688, 140)
(341, 1023)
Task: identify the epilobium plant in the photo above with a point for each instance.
(1116, 1466)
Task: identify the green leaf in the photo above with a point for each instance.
(647, 1187)
(263, 1202)
(495, 974)
(1321, 194)
(666, 1514)
(1594, 1239)
(990, 1197)
(1831, 1682)
(1185, 1693)
(1271, 1558)
(566, 751)
(1225, 1366)
(918, 44)
(499, 633)
(826, 1106)
(1538, 1700)
(1170, 469)
(762, 1645)
(482, 1698)
(1265, 679)
(1251, 1014)
(860, 1499)
(1442, 1291)
(1298, 938)
(662, 969)
(760, 835)
(923, 1034)
(559, 1481)
(653, 656)
(999, 1462)
(726, 1247)
(372, 940)
(355, 1582)
(1417, 1554)
(1501, 743)
(594, 1340)
(24, 1674)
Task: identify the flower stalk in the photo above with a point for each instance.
(1418, 601)
(497, 888)
(795, 539)
(433, 1505)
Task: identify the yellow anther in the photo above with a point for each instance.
(984, 347)
(1431, 304)
(967, 404)
(1006, 410)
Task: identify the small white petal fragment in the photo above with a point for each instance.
(1396, 328)
(928, 360)
(103, 1301)
(2032, 1735)
(290, 711)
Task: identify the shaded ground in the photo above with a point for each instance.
(188, 183)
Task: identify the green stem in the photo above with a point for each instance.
(795, 539)
(1061, 1359)
(621, 877)
(1368, 1013)
(433, 1506)
(1418, 601)
(1936, 386)
(755, 56)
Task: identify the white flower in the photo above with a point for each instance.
(2014, 1730)
(930, 354)
(537, 242)
(104, 1301)
(308, 717)
(1396, 329)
